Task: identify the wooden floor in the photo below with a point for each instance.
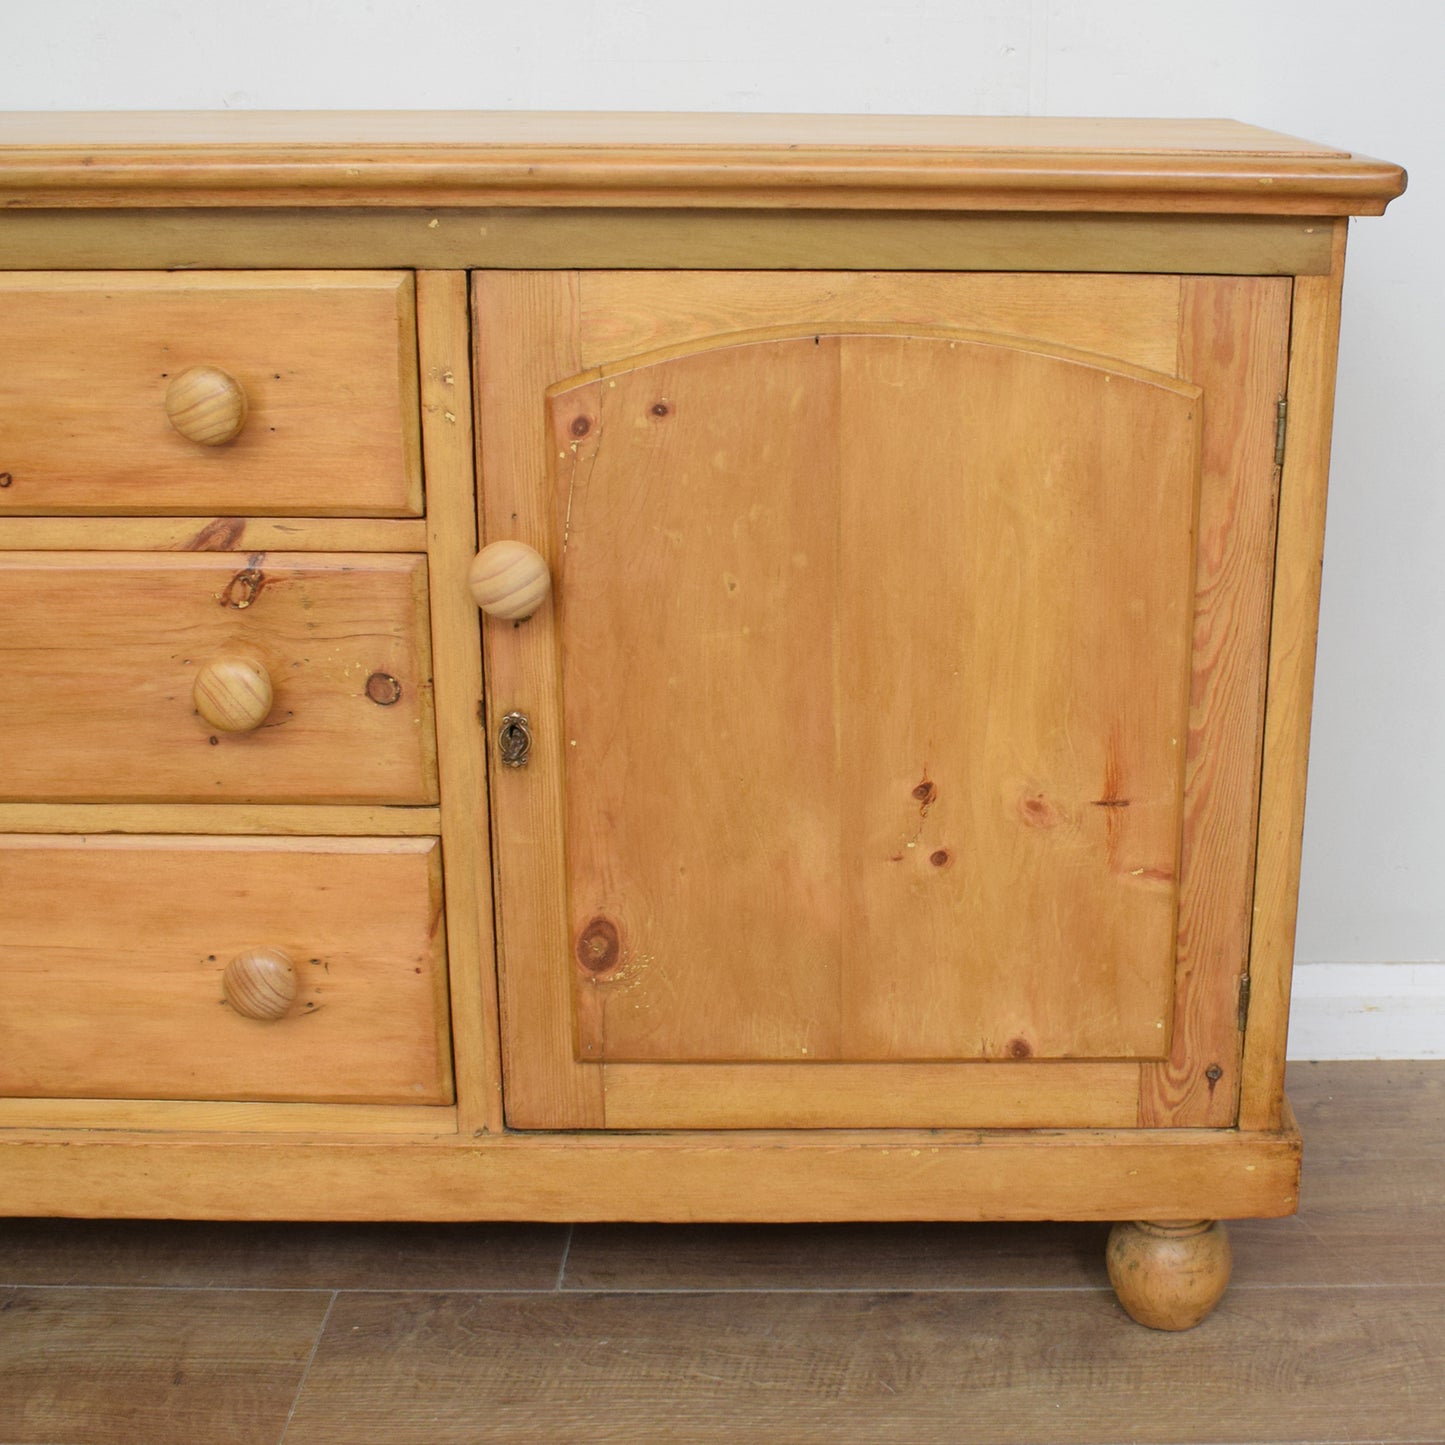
(1334, 1329)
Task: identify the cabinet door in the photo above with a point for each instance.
(896, 710)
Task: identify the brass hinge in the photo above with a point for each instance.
(1243, 1001)
(1281, 423)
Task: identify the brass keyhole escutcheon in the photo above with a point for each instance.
(514, 740)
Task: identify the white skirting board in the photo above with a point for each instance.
(1368, 1011)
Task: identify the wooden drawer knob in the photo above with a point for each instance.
(260, 983)
(509, 580)
(233, 694)
(206, 405)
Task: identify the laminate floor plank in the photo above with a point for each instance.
(280, 1256)
(837, 1256)
(1321, 1246)
(1318, 1247)
(1372, 1198)
(991, 1367)
(1373, 1103)
(152, 1367)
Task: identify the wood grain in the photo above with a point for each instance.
(232, 693)
(444, 333)
(692, 653)
(1062, 1366)
(105, 648)
(260, 983)
(1169, 1276)
(327, 361)
(184, 1116)
(1233, 339)
(206, 405)
(263, 818)
(1012, 1095)
(1370, 1214)
(621, 304)
(661, 238)
(528, 318)
(754, 1175)
(1132, 319)
(888, 162)
(1013, 624)
(508, 580)
(1314, 343)
(113, 953)
(970, 827)
(196, 1364)
(213, 534)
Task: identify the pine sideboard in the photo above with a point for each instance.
(576, 667)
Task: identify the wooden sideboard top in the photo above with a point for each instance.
(615, 159)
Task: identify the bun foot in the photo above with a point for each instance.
(1169, 1276)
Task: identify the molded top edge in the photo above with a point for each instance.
(427, 158)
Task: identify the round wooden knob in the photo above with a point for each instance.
(233, 694)
(260, 983)
(509, 579)
(206, 405)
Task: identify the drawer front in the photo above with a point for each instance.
(326, 363)
(114, 955)
(107, 657)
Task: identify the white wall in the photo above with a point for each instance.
(1364, 76)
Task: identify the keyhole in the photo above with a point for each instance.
(514, 740)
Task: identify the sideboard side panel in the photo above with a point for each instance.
(1314, 345)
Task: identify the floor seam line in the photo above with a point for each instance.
(306, 1371)
(1244, 1286)
(566, 1254)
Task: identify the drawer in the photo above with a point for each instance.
(115, 954)
(325, 361)
(104, 656)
